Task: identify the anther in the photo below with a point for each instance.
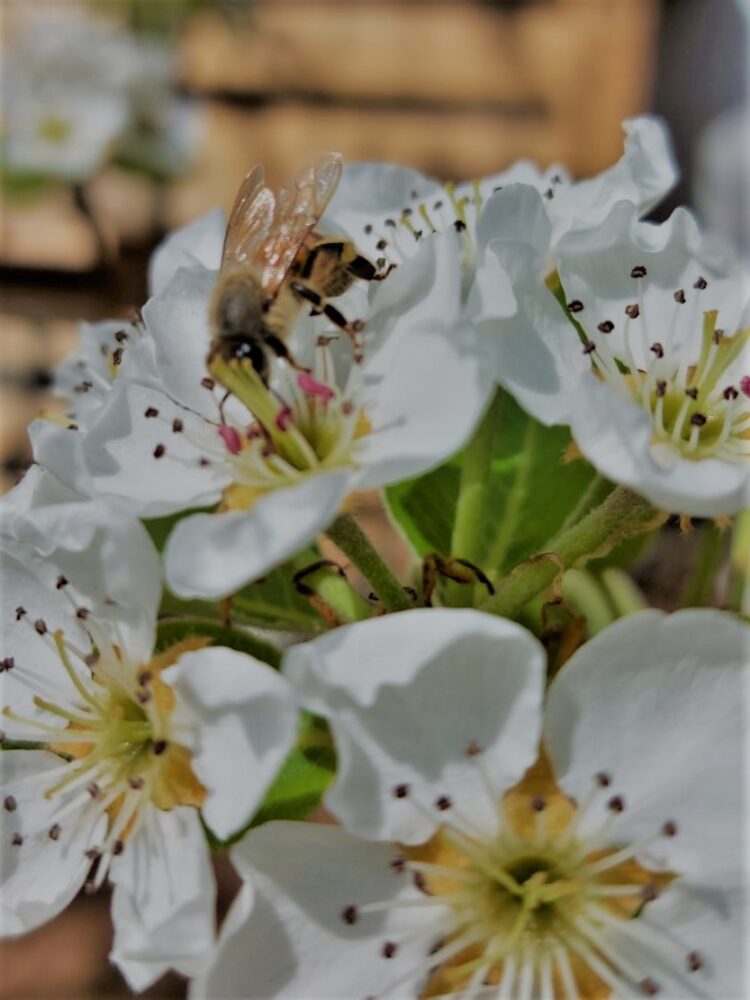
(380, 263)
(607, 326)
(55, 831)
(121, 336)
(420, 882)
(9, 804)
(207, 383)
(284, 418)
(679, 296)
(407, 211)
(7, 663)
(401, 791)
(150, 412)
(62, 581)
(575, 306)
(368, 229)
(745, 385)
(632, 311)
(694, 961)
(40, 626)
(649, 892)
(443, 803)
(117, 356)
(538, 804)
(94, 790)
(398, 864)
(717, 336)
(459, 225)
(177, 426)
(93, 854)
(648, 987)
(616, 804)
(391, 223)
(143, 697)
(698, 420)
(473, 748)
(16, 840)
(159, 450)
(661, 389)
(700, 284)
(350, 915)
(159, 746)
(692, 393)
(603, 779)
(657, 349)
(669, 829)
(381, 244)
(549, 194)
(730, 392)
(82, 613)
(91, 659)
(20, 613)
(438, 205)
(117, 848)
(136, 783)
(203, 462)
(389, 949)
(589, 347)
(639, 271)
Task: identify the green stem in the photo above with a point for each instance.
(622, 515)
(354, 543)
(341, 597)
(739, 577)
(596, 493)
(698, 590)
(468, 525)
(514, 504)
(582, 591)
(622, 591)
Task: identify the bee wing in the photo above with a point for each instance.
(251, 220)
(298, 210)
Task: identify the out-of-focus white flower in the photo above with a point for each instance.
(654, 384)
(118, 751)
(277, 463)
(612, 866)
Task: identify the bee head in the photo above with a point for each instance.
(239, 309)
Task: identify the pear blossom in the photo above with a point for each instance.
(115, 755)
(654, 380)
(276, 462)
(387, 209)
(497, 842)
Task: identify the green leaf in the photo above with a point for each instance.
(172, 630)
(531, 491)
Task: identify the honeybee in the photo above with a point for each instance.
(274, 263)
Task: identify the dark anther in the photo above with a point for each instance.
(632, 311)
(398, 864)
(407, 211)
(649, 892)
(616, 804)
(473, 747)
(118, 847)
(94, 790)
(679, 296)
(698, 420)
(717, 335)
(368, 229)
(389, 949)
(349, 915)
(54, 831)
(93, 854)
(135, 783)
(700, 284)
(661, 388)
(438, 205)
(20, 612)
(381, 244)
(639, 271)
(575, 306)
(459, 225)
(730, 392)
(670, 828)
(538, 804)
(143, 697)
(159, 450)
(414, 194)
(91, 659)
(117, 356)
(436, 947)
(144, 677)
(159, 746)
(607, 326)
(82, 613)
(418, 234)
(691, 393)
(589, 347)
(657, 349)
(207, 383)
(62, 581)
(420, 882)
(203, 462)
(694, 961)
(556, 179)
(41, 626)
(9, 804)
(391, 223)
(177, 426)
(648, 987)
(150, 411)
(7, 663)
(443, 803)
(121, 336)
(16, 840)
(401, 791)
(603, 780)
(549, 194)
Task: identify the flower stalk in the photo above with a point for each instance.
(354, 543)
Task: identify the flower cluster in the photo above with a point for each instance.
(525, 800)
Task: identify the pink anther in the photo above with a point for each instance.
(231, 438)
(312, 387)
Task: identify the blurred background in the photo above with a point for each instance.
(124, 118)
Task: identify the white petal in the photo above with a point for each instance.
(616, 435)
(212, 555)
(197, 244)
(286, 937)
(245, 720)
(39, 877)
(405, 695)
(60, 450)
(120, 454)
(657, 702)
(164, 899)
(514, 215)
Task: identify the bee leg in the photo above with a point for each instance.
(280, 349)
(351, 329)
(321, 606)
(362, 268)
(224, 398)
(456, 569)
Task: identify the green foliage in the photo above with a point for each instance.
(531, 491)
(172, 630)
